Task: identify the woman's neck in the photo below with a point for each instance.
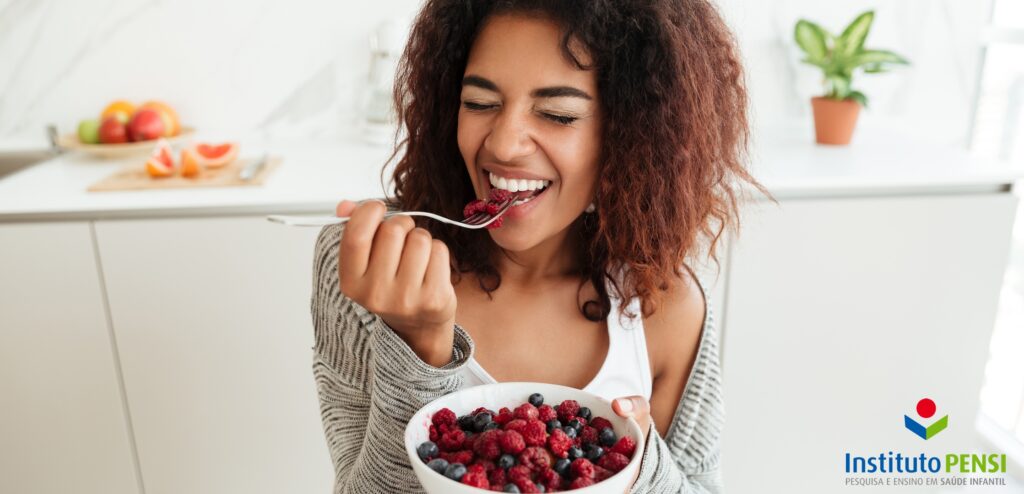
(554, 258)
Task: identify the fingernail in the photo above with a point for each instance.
(625, 406)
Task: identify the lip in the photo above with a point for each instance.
(516, 175)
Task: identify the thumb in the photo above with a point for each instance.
(631, 406)
(344, 208)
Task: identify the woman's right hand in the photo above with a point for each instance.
(401, 273)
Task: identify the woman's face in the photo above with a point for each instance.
(529, 118)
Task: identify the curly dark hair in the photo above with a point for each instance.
(673, 147)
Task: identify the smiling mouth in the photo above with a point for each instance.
(524, 190)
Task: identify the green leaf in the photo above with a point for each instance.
(817, 63)
(840, 87)
(852, 39)
(874, 68)
(811, 39)
(859, 97)
(876, 58)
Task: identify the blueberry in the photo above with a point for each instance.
(554, 424)
(438, 465)
(594, 452)
(536, 399)
(562, 467)
(584, 413)
(540, 487)
(575, 424)
(491, 426)
(569, 431)
(455, 471)
(607, 437)
(506, 461)
(510, 488)
(480, 421)
(575, 452)
(426, 450)
(466, 423)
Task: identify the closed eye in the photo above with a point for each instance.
(559, 119)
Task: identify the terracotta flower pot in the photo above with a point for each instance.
(834, 120)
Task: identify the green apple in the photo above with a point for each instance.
(89, 131)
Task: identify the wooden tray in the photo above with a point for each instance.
(134, 177)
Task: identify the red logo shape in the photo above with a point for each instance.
(926, 408)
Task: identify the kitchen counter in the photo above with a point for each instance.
(313, 177)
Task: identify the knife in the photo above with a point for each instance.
(253, 168)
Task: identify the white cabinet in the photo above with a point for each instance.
(841, 315)
(215, 336)
(62, 420)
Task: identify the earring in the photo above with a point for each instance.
(591, 208)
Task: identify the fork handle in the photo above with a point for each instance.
(324, 220)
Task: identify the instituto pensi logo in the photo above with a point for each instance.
(926, 410)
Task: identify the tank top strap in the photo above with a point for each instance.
(628, 362)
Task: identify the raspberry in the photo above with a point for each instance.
(581, 482)
(483, 409)
(492, 208)
(600, 423)
(582, 467)
(526, 412)
(434, 435)
(476, 477)
(519, 472)
(559, 443)
(511, 442)
(625, 446)
(535, 433)
(613, 461)
(546, 414)
(567, 410)
(445, 417)
(500, 195)
(497, 477)
(526, 485)
(475, 206)
(495, 224)
(503, 417)
(487, 445)
(535, 458)
(517, 425)
(451, 440)
(550, 480)
(601, 473)
(588, 435)
(464, 456)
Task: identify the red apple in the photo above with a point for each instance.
(146, 124)
(113, 131)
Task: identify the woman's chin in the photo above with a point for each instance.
(511, 240)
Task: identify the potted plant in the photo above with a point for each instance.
(838, 57)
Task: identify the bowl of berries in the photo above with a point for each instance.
(523, 437)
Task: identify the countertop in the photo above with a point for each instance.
(314, 176)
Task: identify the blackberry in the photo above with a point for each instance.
(607, 437)
(593, 452)
(455, 471)
(554, 424)
(506, 461)
(584, 413)
(427, 450)
(575, 452)
(510, 488)
(438, 465)
(562, 467)
(569, 431)
(536, 399)
(480, 421)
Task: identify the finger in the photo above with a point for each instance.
(344, 208)
(438, 277)
(387, 248)
(357, 239)
(632, 406)
(412, 269)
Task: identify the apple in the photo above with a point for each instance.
(89, 131)
(113, 131)
(146, 124)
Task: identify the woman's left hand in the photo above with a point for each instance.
(638, 408)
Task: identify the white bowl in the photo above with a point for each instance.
(495, 396)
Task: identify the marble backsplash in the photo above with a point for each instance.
(296, 68)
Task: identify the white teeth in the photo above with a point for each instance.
(516, 185)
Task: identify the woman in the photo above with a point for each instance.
(630, 115)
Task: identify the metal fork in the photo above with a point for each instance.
(474, 222)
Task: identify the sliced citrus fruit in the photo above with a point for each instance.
(121, 109)
(170, 117)
(161, 162)
(189, 163)
(157, 169)
(216, 155)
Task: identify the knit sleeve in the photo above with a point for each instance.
(686, 460)
(369, 382)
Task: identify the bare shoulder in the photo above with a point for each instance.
(673, 335)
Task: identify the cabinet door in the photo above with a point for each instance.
(212, 320)
(63, 426)
(841, 315)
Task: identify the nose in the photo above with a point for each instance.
(510, 138)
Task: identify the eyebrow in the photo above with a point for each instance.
(544, 92)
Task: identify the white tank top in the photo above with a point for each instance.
(626, 370)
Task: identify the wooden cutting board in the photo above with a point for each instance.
(134, 177)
